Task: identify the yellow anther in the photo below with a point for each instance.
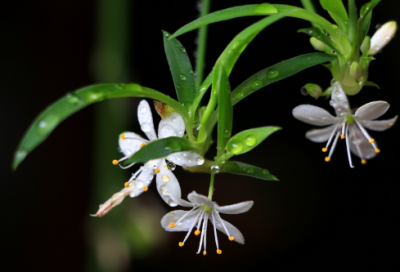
(371, 141)
(219, 251)
(126, 184)
(204, 253)
(157, 170)
(172, 225)
(377, 150)
(324, 149)
(327, 159)
(181, 244)
(389, 126)
(342, 136)
(364, 161)
(115, 162)
(123, 137)
(145, 188)
(231, 238)
(142, 144)
(197, 232)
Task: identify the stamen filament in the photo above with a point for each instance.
(201, 217)
(191, 227)
(202, 235)
(370, 140)
(344, 134)
(215, 231)
(334, 145)
(331, 137)
(348, 147)
(222, 223)
(128, 166)
(185, 215)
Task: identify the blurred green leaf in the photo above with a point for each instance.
(244, 169)
(277, 72)
(227, 14)
(371, 84)
(247, 140)
(181, 70)
(159, 149)
(364, 21)
(316, 33)
(338, 12)
(352, 21)
(53, 115)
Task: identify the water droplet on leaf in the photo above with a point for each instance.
(235, 147)
(251, 141)
(272, 73)
(256, 85)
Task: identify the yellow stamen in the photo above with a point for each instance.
(145, 188)
(324, 149)
(157, 170)
(371, 141)
(142, 144)
(389, 126)
(342, 136)
(123, 137)
(204, 253)
(172, 225)
(115, 162)
(219, 251)
(377, 150)
(197, 232)
(126, 184)
(327, 159)
(363, 161)
(181, 244)
(231, 238)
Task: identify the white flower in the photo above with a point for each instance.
(347, 125)
(129, 142)
(203, 209)
(382, 37)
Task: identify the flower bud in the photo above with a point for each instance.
(366, 45)
(317, 44)
(313, 90)
(382, 37)
(356, 70)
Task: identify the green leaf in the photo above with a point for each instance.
(316, 33)
(53, 115)
(277, 72)
(199, 94)
(225, 108)
(181, 70)
(247, 140)
(352, 21)
(244, 169)
(372, 84)
(337, 11)
(365, 20)
(159, 149)
(227, 14)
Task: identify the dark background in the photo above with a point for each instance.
(321, 216)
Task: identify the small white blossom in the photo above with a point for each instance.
(346, 125)
(203, 209)
(382, 37)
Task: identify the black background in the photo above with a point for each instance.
(321, 216)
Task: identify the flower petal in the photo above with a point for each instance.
(320, 135)
(233, 231)
(172, 125)
(145, 177)
(131, 144)
(359, 144)
(186, 159)
(146, 120)
(314, 115)
(241, 207)
(198, 199)
(339, 100)
(372, 110)
(167, 185)
(379, 125)
(174, 216)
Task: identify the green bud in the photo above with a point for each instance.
(366, 44)
(317, 44)
(356, 71)
(313, 90)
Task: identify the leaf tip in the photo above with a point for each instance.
(19, 156)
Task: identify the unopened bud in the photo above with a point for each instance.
(366, 44)
(356, 70)
(382, 37)
(317, 44)
(313, 90)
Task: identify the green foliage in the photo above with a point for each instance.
(244, 169)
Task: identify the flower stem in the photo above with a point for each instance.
(201, 47)
(211, 189)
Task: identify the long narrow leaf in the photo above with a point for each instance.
(316, 33)
(337, 11)
(49, 119)
(244, 169)
(181, 70)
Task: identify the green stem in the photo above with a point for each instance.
(201, 47)
(211, 189)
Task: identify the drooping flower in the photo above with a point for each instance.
(171, 124)
(382, 37)
(345, 125)
(203, 209)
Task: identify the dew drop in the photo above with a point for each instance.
(20, 155)
(93, 97)
(227, 134)
(165, 178)
(235, 147)
(183, 50)
(272, 73)
(139, 184)
(256, 85)
(182, 77)
(73, 100)
(47, 124)
(172, 203)
(215, 169)
(164, 190)
(166, 34)
(250, 141)
(303, 91)
(264, 8)
(145, 127)
(200, 161)
(143, 109)
(250, 171)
